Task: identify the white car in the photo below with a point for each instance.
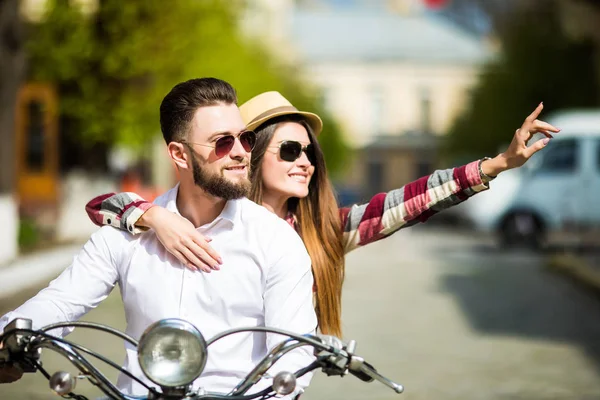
(557, 191)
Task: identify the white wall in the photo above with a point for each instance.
(351, 90)
(77, 189)
(73, 224)
(9, 228)
(163, 169)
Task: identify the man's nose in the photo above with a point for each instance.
(238, 151)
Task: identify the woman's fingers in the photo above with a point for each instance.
(181, 258)
(196, 261)
(544, 126)
(529, 121)
(201, 248)
(541, 127)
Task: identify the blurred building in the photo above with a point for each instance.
(392, 73)
(51, 195)
(52, 184)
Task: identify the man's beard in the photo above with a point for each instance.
(219, 186)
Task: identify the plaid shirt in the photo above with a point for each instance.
(385, 214)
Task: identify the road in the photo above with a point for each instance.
(447, 315)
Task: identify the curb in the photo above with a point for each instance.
(575, 267)
(34, 269)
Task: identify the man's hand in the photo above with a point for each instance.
(518, 152)
(9, 374)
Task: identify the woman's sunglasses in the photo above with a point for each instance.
(290, 150)
(224, 144)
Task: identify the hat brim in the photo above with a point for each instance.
(313, 120)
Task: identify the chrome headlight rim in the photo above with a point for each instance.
(174, 324)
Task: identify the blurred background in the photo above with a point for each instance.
(495, 298)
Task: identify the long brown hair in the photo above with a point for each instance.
(319, 225)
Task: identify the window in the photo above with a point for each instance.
(560, 156)
(425, 108)
(423, 168)
(35, 136)
(375, 176)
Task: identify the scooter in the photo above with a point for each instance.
(165, 361)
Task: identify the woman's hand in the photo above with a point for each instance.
(180, 238)
(518, 152)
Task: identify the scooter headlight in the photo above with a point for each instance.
(172, 353)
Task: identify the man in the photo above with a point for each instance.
(266, 276)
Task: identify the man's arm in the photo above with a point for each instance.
(81, 287)
(289, 299)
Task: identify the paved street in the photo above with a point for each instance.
(446, 315)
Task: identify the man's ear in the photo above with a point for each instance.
(178, 155)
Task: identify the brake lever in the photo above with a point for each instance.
(360, 366)
(340, 360)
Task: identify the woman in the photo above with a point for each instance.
(289, 178)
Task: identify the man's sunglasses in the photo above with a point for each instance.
(290, 150)
(224, 144)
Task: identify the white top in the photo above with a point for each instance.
(265, 280)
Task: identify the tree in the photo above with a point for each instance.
(12, 70)
(537, 64)
(113, 67)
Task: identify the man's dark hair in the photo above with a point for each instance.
(180, 104)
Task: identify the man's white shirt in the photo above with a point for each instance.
(265, 280)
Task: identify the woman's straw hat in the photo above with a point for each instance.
(268, 105)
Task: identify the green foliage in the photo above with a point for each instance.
(539, 63)
(114, 67)
(29, 234)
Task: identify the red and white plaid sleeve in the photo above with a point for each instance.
(416, 202)
(121, 210)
